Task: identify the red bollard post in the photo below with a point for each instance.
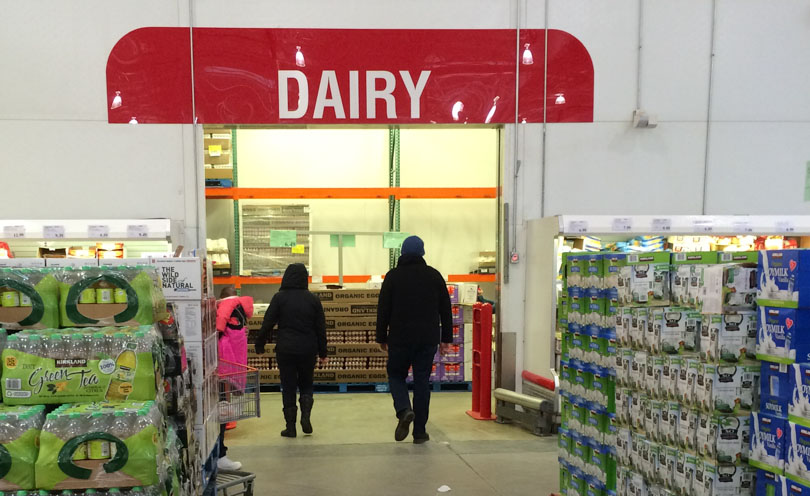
(482, 363)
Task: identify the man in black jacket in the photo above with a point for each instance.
(413, 303)
(301, 340)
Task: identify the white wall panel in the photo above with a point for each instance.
(762, 63)
(675, 59)
(358, 14)
(79, 170)
(55, 53)
(609, 30)
(613, 168)
(449, 157)
(758, 168)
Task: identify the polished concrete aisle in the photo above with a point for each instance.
(353, 452)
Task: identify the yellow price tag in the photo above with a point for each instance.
(215, 150)
(299, 249)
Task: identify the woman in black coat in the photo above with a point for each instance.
(301, 342)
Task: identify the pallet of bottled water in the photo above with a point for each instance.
(102, 445)
(80, 365)
(19, 432)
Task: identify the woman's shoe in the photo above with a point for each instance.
(289, 431)
(306, 402)
(289, 417)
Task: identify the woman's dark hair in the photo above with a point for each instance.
(227, 292)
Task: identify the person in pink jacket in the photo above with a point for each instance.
(233, 313)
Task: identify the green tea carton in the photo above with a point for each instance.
(110, 296)
(80, 365)
(19, 445)
(122, 442)
(31, 298)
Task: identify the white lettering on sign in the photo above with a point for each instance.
(330, 95)
(329, 84)
(284, 111)
(373, 94)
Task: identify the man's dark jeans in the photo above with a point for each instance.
(400, 359)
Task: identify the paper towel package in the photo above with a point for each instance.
(775, 388)
(767, 449)
(784, 278)
(797, 453)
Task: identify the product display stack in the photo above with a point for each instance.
(82, 378)
(780, 438)
(193, 393)
(659, 373)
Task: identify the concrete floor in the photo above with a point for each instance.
(353, 452)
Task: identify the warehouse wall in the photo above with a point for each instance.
(727, 80)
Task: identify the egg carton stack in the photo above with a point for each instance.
(780, 440)
(587, 318)
(686, 377)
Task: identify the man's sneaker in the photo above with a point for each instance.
(404, 425)
(421, 438)
(226, 463)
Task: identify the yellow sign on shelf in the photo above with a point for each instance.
(299, 249)
(215, 150)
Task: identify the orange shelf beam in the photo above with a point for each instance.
(349, 193)
(239, 281)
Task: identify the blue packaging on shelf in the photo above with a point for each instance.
(799, 400)
(767, 448)
(797, 453)
(769, 483)
(782, 334)
(775, 388)
(784, 278)
(795, 488)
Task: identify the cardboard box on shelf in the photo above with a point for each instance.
(44, 252)
(219, 173)
(223, 144)
(333, 350)
(351, 323)
(23, 263)
(452, 290)
(224, 157)
(468, 293)
(452, 372)
(458, 334)
(71, 262)
(458, 314)
(349, 309)
(455, 355)
(182, 278)
(348, 295)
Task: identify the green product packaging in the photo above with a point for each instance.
(134, 462)
(593, 265)
(130, 372)
(144, 303)
(19, 445)
(649, 281)
(36, 293)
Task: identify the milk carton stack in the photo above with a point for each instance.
(685, 377)
(780, 444)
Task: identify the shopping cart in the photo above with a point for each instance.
(238, 392)
(235, 483)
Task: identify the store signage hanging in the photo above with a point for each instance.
(347, 76)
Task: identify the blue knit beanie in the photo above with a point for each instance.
(413, 245)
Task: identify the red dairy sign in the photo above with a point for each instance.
(347, 76)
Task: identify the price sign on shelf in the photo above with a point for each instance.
(742, 226)
(785, 226)
(98, 231)
(137, 231)
(662, 224)
(14, 232)
(53, 232)
(703, 226)
(622, 224)
(578, 226)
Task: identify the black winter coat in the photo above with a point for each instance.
(299, 315)
(413, 303)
